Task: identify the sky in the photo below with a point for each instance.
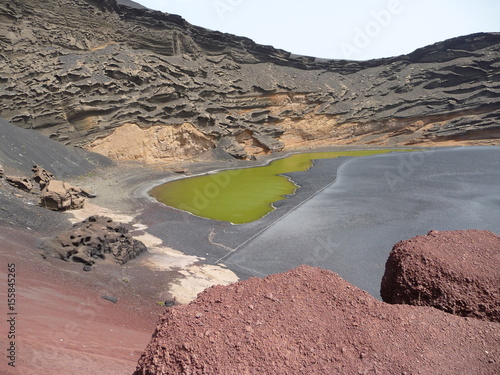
(340, 29)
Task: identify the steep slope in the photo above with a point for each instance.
(21, 149)
(77, 70)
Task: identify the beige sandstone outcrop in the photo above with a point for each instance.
(154, 144)
(60, 196)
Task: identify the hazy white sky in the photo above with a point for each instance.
(341, 29)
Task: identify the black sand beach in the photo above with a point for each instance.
(351, 226)
(347, 223)
(345, 217)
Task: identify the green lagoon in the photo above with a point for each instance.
(242, 195)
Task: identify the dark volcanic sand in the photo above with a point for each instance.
(351, 226)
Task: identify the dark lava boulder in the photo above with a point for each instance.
(22, 183)
(310, 321)
(457, 272)
(97, 237)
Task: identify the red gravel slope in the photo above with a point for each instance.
(310, 321)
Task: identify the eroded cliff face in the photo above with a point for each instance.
(85, 72)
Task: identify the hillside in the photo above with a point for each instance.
(82, 70)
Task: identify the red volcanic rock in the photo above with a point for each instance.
(457, 272)
(310, 321)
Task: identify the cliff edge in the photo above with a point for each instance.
(88, 72)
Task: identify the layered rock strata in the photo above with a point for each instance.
(79, 70)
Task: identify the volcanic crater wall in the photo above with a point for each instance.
(77, 70)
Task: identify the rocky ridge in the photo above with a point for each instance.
(79, 70)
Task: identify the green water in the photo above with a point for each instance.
(242, 195)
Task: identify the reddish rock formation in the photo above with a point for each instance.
(60, 196)
(310, 321)
(22, 183)
(457, 272)
(41, 176)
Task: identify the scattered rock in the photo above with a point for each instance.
(41, 176)
(170, 303)
(55, 195)
(96, 238)
(233, 148)
(60, 196)
(110, 298)
(86, 267)
(1, 171)
(180, 170)
(87, 193)
(22, 183)
(457, 272)
(310, 321)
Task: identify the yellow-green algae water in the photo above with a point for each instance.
(242, 195)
